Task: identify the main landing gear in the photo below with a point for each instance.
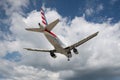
(69, 55)
(52, 54)
(68, 59)
(75, 50)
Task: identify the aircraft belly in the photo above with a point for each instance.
(55, 43)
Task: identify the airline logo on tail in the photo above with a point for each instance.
(44, 21)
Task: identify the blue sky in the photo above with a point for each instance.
(98, 58)
(71, 8)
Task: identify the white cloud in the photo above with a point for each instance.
(12, 71)
(93, 10)
(12, 6)
(98, 53)
(18, 3)
(100, 7)
(89, 11)
(31, 73)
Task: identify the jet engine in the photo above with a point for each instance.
(75, 50)
(52, 54)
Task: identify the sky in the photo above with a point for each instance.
(98, 59)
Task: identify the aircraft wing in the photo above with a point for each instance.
(50, 26)
(82, 41)
(39, 50)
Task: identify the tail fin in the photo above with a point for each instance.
(45, 25)
(44, 21)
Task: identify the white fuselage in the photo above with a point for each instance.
(55, 41)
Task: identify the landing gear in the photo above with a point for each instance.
(52, 54)
(69, 55)
(68, 59)
(75, 50)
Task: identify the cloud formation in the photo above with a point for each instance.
(98, 58)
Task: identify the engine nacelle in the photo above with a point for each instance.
(52, 55)
(75, 50)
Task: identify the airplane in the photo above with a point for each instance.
(54, 40)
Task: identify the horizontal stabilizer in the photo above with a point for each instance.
(39, 50)
(34, 29)
(50, 26)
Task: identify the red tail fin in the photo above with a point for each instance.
(44, 21)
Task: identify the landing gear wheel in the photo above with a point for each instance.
(69, 55)
(68, 59)
(75, 50)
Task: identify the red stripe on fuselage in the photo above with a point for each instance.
(50, 33)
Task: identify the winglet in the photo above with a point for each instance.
(96, 33)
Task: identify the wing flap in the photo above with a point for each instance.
(82, 41)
